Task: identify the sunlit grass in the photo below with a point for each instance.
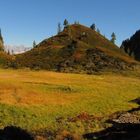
(33, 99)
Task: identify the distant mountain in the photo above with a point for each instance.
(17, 49)
(5, 59)
(76, 49)
(132, 46)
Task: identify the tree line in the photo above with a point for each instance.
(93, 27)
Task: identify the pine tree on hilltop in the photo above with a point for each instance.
(76, 22)
(66, 23)
(1, 38)
(113, 38)
(59, 28)
(8, 52)
(34, 44)
(93, 27)
(1, 42)
(98, 30)
(12, 52)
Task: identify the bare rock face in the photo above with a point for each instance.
(128, 118)
(95, 61)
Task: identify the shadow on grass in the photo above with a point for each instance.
(123, 128)
(14, 133)
(118, 131)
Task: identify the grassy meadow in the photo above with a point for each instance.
(34, 99)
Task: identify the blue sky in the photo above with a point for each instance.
(23, 21)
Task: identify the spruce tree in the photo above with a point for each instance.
(59, 28)
(12, 52)
(8, 52)
(66, 23)
(76, 22)
(34, 44)
(98, 31)
(113, 38)
(1, 42)
(93, 27)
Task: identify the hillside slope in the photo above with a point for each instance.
(76, 49)
(132, 45)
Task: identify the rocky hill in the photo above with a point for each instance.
(76, 49)
(132, 46)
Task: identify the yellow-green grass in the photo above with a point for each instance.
(33, 99)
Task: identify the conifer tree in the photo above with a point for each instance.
(66, 23)
(8, 52)
(113, 38)
(76, 22)
(93, 27)
(34, 44)
(12, 52)
(98, 31)
(1, 42)
(59, 28)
